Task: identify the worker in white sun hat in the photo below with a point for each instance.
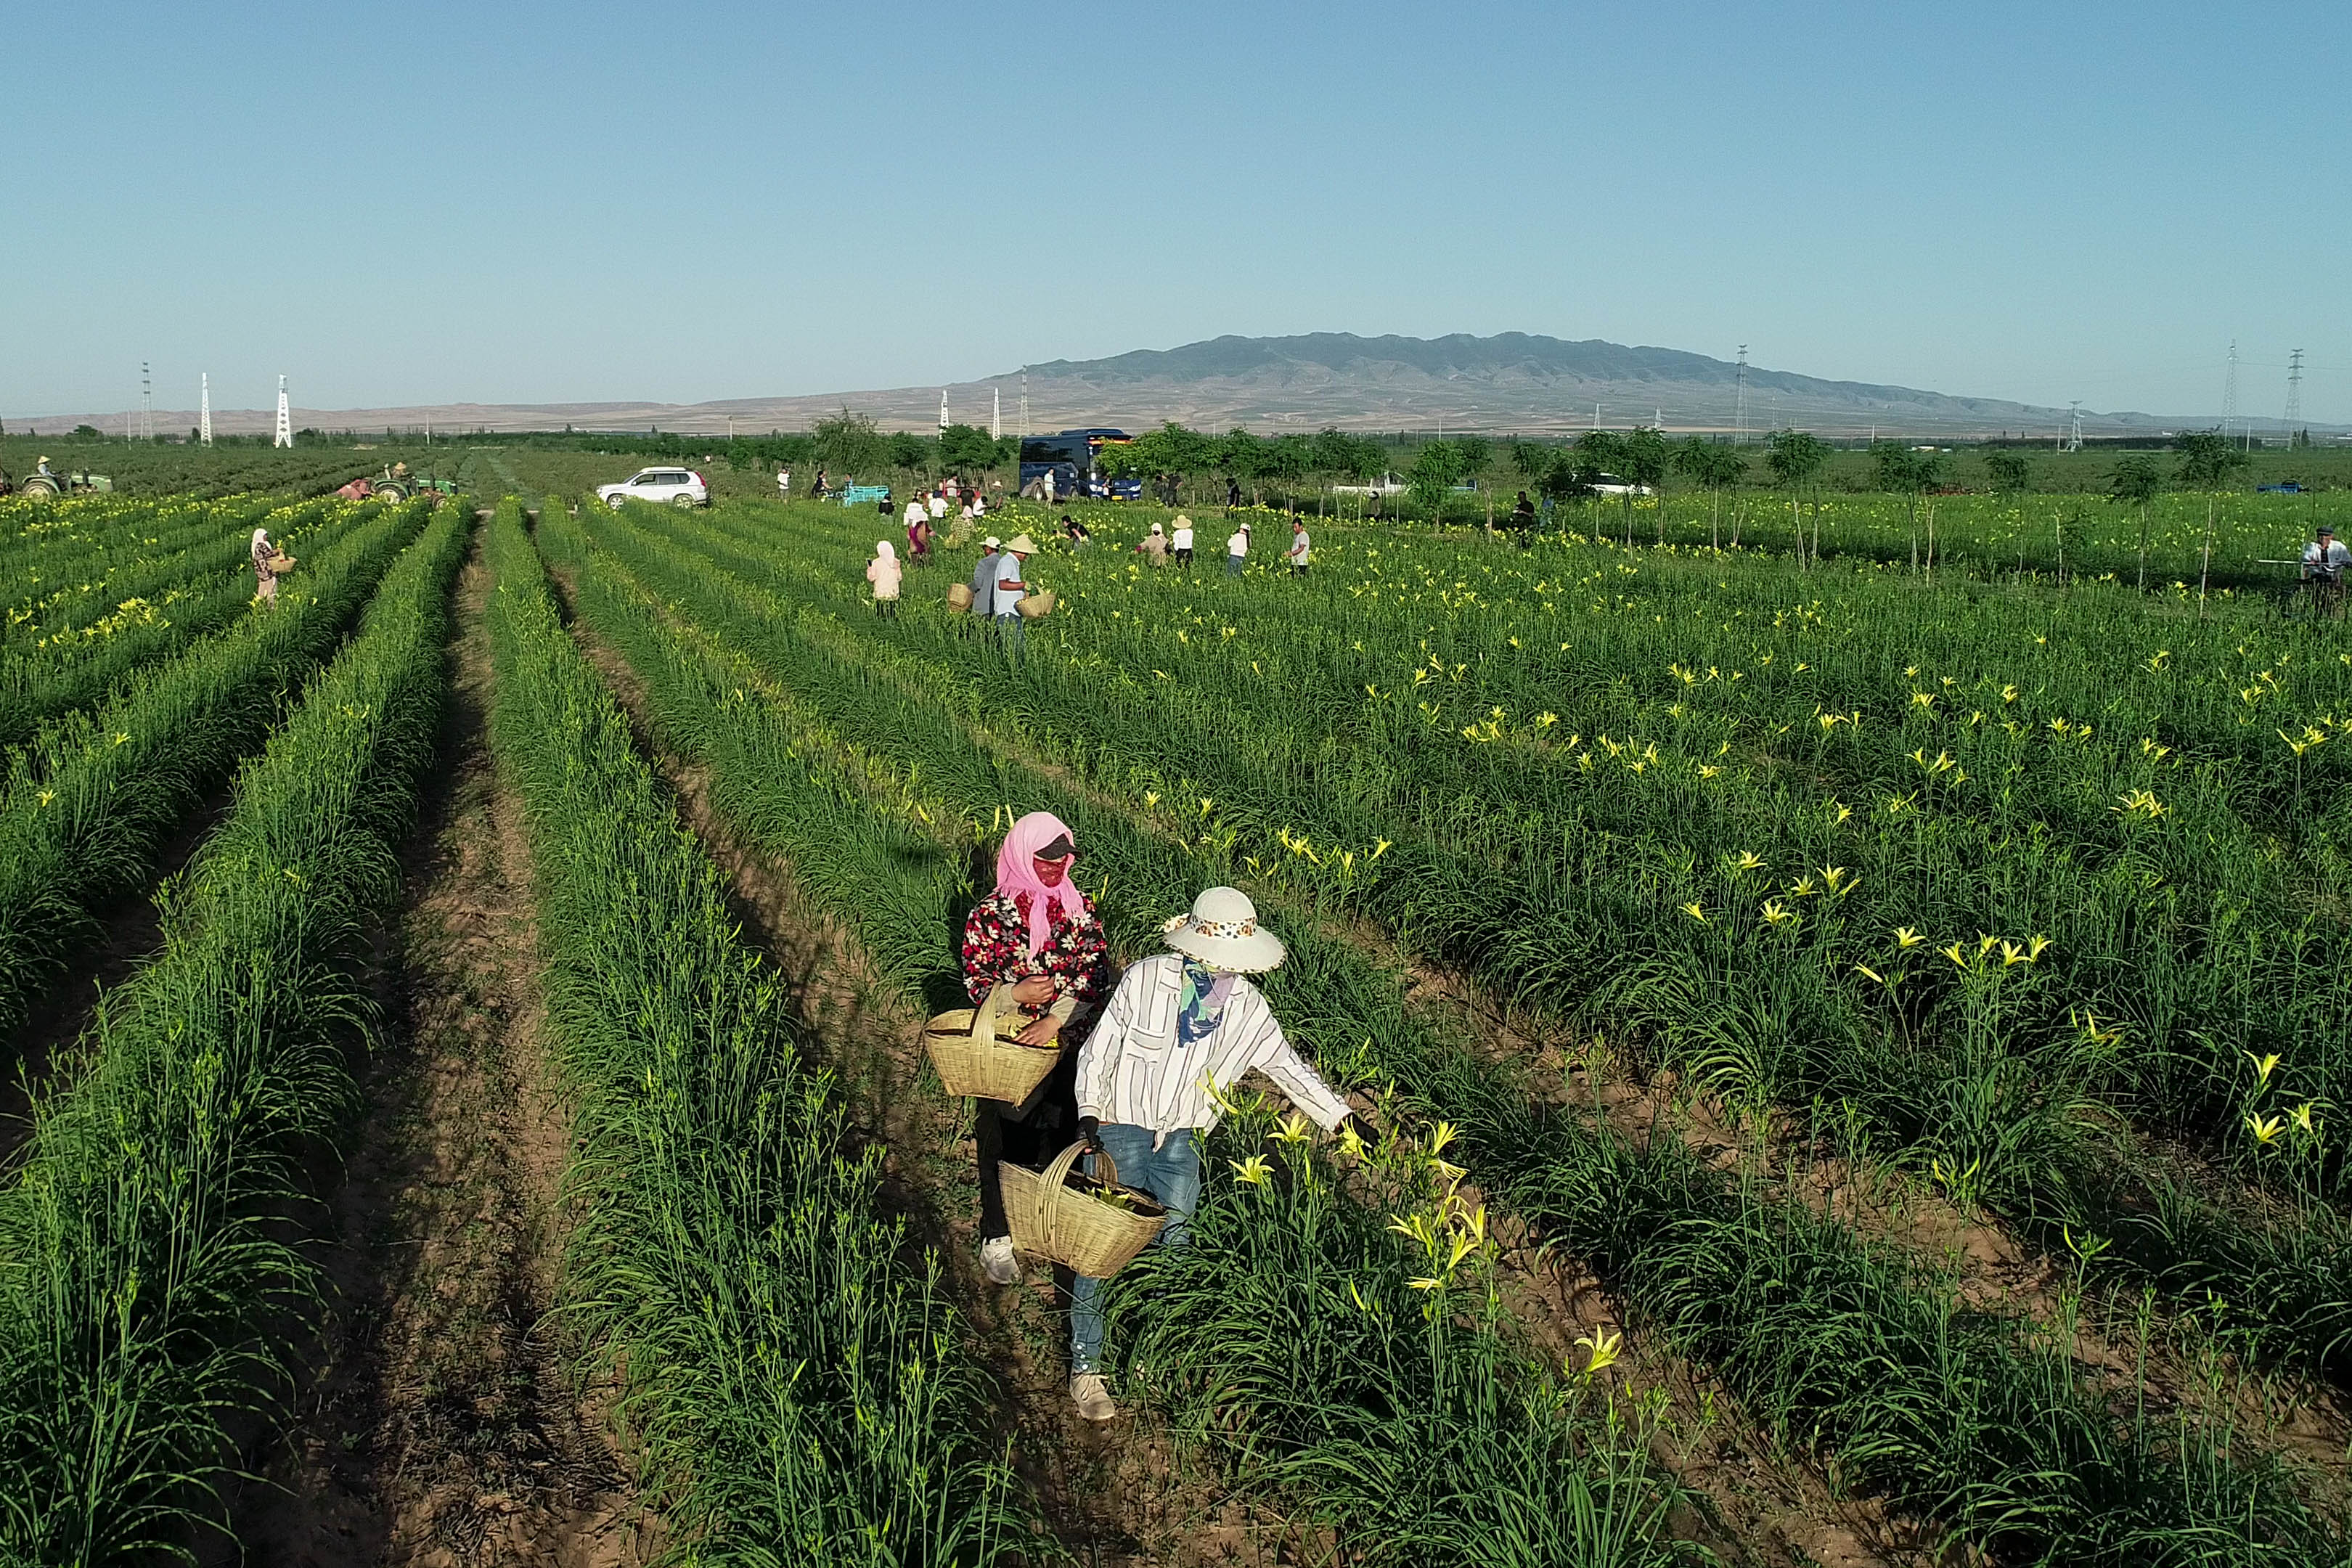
(1179, 1029)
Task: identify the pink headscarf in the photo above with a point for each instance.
(1017, 874)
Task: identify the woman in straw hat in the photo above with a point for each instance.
(1037, 932)
(265, 580)
(1179, 1029)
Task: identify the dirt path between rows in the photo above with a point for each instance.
(445, 1429)
(1131, 1495)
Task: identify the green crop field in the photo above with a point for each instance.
(1855, 983)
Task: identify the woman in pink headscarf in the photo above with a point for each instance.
(1037, 934)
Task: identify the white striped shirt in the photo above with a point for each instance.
(1132, 1071)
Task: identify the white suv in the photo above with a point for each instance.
(678, 487)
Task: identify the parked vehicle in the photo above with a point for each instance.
(1387, 485)
(663, 487)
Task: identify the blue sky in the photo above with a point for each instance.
(520, 202)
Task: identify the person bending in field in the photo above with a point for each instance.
(1154, 547)
(266, 580)
(1179, 1029)
(1037, 934)
(919, 533)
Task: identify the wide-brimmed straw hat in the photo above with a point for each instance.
(1021, 544)
(1222, 931)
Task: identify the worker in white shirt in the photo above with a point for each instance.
(1237, 550)
(784, 484)
(1180, 541)
(1296, 554)
(1179, 1029)
(2324, 560)
(1009, 590)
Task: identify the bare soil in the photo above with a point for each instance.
(447, 1428)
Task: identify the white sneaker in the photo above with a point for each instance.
(996, 1257)
(1093, 1397)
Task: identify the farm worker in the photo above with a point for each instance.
(883, 573)
(1296, 554)
(1237, 552)
(1233, 493)
(984, 578)
(938, 504)
(919, 533)
(1179, 1029)
(2324, 558)
(263, 552)
(1049, 487)
(1180, 540)
(784, 484)
(41, 467)
(1154, 547)
(1039, 934)
(816, 485)
(1076, 531)
(1004, 602)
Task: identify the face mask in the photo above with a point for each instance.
(1051, 872)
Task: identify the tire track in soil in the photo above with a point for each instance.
(445, 1428)
(1135, 1495)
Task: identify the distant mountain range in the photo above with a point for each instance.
(1512, 382)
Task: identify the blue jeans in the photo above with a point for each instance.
(1171, 1173)
(1234, 564)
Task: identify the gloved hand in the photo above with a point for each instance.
(1090, 1134)
(1364, 1131)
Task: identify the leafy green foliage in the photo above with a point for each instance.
(151, 1290)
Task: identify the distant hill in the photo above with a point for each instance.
(1511, 382)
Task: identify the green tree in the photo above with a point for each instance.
(1646, 455)
(1715, 466)
(1243, 456)
(966, 450)
(2012, 471)
(1286, 461)
(912, 452)
(848, 444)
(2139, 481)
(1795, 458)
(1435, 469)
(2207, 459)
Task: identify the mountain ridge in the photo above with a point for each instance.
(1505, 383)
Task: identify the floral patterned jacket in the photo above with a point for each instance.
(996, 951)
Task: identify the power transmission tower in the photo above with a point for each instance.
(285, 437)
(996, 414)
(204, 411)
(1025, 405)
(2074, 425)
(2229, 392)
(943, 407)
(2293, 395)
(1739, 380)
(146, 403)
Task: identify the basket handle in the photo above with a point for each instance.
(1055, 1175)
(984, 1016)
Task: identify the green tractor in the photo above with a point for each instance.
(45, 482)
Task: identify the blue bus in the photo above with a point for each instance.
(1072, 457)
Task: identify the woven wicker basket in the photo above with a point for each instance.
(959, 596)
(281, 562)
(1038, 604)
(1051, 1219)
(976, 1053)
